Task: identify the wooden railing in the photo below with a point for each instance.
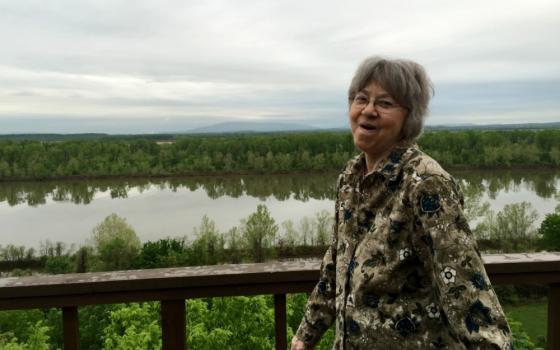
(171, 286)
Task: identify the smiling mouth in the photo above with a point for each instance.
(367, 127)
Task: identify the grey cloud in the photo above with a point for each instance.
(282, 59)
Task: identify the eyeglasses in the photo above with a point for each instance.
(381, 105)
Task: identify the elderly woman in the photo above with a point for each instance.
(403, 270)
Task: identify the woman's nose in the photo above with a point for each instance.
(370, 108)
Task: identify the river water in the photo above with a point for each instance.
(67, 211)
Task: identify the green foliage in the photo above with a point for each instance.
(59, 264)
(133, 327)
(521, 340)
(208, 247)
(259, 153)
(82, 262)
(239, 322)
(550, 232)
(116, 244)
(167, 252)
(233, 243)
(212, 323)
(93, 321)
(36, 339)
(259, 232)
(512, 227)
(323, 227)
(532, 319)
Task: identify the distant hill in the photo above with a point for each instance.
(237, 127)
(82, 137)
(257, 127)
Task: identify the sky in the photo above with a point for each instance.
(169, 66)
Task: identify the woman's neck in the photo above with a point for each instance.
(372, 160)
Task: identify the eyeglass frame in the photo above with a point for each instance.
(376, 101)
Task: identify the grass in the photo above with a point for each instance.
(532, 316)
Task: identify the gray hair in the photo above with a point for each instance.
(406, 81)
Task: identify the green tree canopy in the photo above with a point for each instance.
(259, 232)
(116, 244)
(550, 231)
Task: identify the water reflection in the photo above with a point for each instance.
(542, 182)
(281, 187)
(300, 187)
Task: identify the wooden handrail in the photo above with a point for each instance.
(172, 286)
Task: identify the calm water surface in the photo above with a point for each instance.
(67, 211)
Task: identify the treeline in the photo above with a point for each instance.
(114, 244)
(259, 153)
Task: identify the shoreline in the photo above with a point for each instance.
(451, 169)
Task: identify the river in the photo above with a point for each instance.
(67, 211)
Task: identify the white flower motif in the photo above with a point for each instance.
(448, 274)
(433, 311)
(404, 254)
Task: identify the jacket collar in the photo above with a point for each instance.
(388, 167)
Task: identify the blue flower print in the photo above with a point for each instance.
(352, 327)
(478, 315)
(396, 226)
(371, 300)
(429, 203)
(478, 281)
(405, 326)
(322, 287)
(347, 214)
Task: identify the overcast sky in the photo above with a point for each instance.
(152, 66)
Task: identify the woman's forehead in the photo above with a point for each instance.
(374, 88)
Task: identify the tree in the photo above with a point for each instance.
(234, 245)
(82, 259)
(116, 244)
(208, 246)
(259, 232)
(290, 238)
(322, 225)
(550, 231)
(510, 226)
(306, 230)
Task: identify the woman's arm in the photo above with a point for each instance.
(448, 249)
(320, 310)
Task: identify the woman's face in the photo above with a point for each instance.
(376, 127)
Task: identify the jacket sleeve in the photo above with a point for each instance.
(448, 250)
(320, 309)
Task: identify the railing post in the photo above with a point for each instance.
(280, 321)
(173, 324)
(70, 328)
(553, 336)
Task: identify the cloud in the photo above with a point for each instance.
(247, 59)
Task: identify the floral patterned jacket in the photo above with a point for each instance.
(403, 270)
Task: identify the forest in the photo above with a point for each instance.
(270, 153)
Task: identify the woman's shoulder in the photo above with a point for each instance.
(423, 166)
(425, 174)
(350, 169)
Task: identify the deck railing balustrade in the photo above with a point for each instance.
(171, 286)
